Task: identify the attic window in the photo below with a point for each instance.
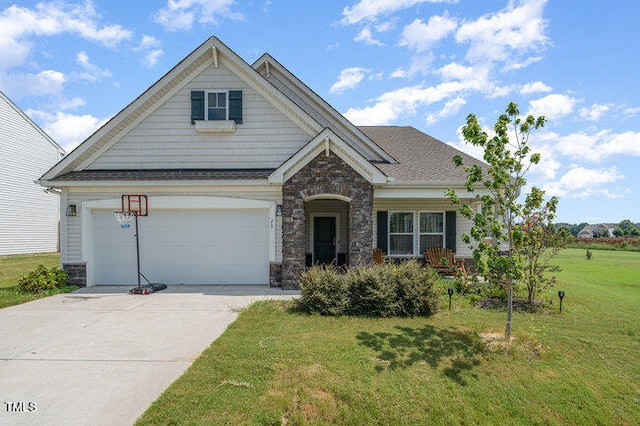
(216, 105)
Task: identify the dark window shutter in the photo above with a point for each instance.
(235, 106)
(450, 237)
(382, 231)
(197, 105)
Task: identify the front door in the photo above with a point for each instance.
(324, 239)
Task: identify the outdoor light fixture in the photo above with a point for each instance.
(72, 210)
(450, 291)
(561, 296)
(279, 210)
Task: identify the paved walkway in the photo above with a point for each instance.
(100, 356)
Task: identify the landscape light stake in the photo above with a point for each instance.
(561, 296)
(450, 291)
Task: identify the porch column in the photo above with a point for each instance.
(361, 224)
(293, 237)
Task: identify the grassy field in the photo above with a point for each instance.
(275, 366)
(13, 267)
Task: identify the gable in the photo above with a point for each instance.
(328, 142)
(168, 138)
(211, 53)
(319, 109)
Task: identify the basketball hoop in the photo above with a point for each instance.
(124, 218)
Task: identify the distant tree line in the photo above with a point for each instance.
(626, 228)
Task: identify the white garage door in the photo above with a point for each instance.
(184, 247)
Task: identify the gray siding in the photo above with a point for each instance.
(167, 139)
(28, 215)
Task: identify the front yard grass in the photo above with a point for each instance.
(13, 267)
(275, 366)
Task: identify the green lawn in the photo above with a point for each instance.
(13, 267)
(274, 366)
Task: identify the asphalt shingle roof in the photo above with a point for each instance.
(420, 157)
(166, 174)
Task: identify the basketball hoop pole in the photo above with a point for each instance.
(137, 252)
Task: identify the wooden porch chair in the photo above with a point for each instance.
(444, 260)
(378, 256)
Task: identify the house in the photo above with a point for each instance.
(28, 214)
(603, 228)
(249, 176)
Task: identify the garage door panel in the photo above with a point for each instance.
(184, 247)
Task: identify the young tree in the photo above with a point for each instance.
(540, 244)
(498, 238)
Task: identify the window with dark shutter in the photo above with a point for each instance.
(235, 106)
(382, 231)
(450, 238)
(197, 105)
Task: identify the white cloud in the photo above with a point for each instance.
(153, 57)
(552, 106)
(149, 42)
(367, 10)
(399, 73)
(151, 48)
(391, 105)
(517, 65)
(366, 36)
(595, 112)
(451, 107)
(580, 182)
(385, 26)
(181, 14)
(91, 72)
(17, 24)
(47, 82)
(454, 71)
(534, 87)
(420, 37)
(68, 130)
(598, 145)
(507, 35)
(630, 112)
(349, 78)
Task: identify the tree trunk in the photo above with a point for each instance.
(509, 309)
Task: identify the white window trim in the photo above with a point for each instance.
(413, 233)
(416, 231)
(206, 104)
(444, 228)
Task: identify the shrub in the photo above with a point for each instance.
(417, 292)
(407, 289)
(371, 291)
(42, 279)
(323, 291)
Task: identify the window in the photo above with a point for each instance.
(431, 230)
(401, 233)
(216, 105)
(411, 233)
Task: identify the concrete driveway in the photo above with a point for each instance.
(101, 356)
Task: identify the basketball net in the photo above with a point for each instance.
(124, 218)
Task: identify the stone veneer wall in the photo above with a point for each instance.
(77, 273)
(328, 175)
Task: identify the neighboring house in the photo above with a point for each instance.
(28, 213)
(250, 177)
(590, 230)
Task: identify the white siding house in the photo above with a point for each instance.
(249, 176)
(29, 215)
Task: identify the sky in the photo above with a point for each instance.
(72, 65)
